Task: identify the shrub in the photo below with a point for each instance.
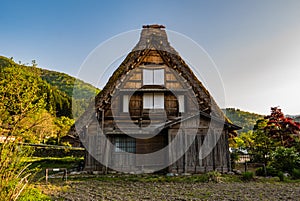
(33, 194)
(247, 176)
(281, 176)
(214, 176)
(285, 159)
(296, 173)
(270, 171)
(14, 172)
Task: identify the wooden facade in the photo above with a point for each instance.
(154, 91)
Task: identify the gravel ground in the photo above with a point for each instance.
(129, 190)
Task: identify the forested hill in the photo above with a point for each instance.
(242, 118)
(36, 104)
(61, 81)
(57, 86)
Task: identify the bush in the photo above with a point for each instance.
(285, 159)
(247, 176)
(31, 194)
(296, 173)
(214, 176)
(270, 171)
(14, 172)
(281, 176)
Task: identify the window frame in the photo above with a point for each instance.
(153, 100)
(154, 77)
(124, 144)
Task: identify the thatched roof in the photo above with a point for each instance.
(154, 37)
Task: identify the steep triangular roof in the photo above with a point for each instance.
(154, 37)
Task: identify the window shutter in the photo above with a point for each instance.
(147, 77)
(148, 101)
(181, 103)
(125, 103)
(159, 101)
(159, 77)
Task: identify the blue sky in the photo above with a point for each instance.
(255, 44)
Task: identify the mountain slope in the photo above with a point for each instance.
(36, 104)
(242, 118)
(57, 88)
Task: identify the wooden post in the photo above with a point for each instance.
(65, 175)
(229, 168)
(213, 152)
(46, 176)
(170, 156)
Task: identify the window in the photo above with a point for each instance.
(125, 103)
(153, 77)
(153, 101)
(124, 144)
(181, 103)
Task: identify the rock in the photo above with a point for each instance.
(170, 175)
(96, 172)
(238, 172)
(286, 174)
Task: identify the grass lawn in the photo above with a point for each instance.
(39, 165)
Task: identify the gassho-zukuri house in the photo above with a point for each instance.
(154, 115)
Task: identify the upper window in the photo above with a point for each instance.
(153, 101)
(153, 76)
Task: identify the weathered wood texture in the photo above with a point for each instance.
(153, 52)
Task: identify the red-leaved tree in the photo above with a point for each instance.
(284, 131)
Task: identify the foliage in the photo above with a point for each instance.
(31, 194)
(56, 88)
(285, 159)
(19, 102)
(268, 133)
(296, 173)
(46, 94)
(242, 118)
(284, 131)
(13, 172)
(247, 176)
(65, 83)
(270, 171)
(214, 176)
(64, 124)
(281, 176)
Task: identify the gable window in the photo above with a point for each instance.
(125, 144)
(153, 101)
(153, 77)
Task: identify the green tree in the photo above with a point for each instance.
(64, 124)
(19, 101)
(263, 144)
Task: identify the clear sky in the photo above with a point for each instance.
(255, 44)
